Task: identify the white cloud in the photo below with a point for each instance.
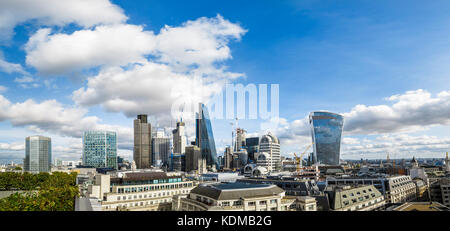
(3, 89)
(85, 13)
(52, 117)
(397, 145)
(10, 68)
(195, 46)
(412, 111)
(148, 88)
(12, 146)
(105, 45)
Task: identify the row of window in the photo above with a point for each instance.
(153, 188)
(137, 204)
(151, 195)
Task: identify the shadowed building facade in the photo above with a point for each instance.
(142, 151)
(326, 131)
(204, 136)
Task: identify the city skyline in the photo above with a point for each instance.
(65, 72)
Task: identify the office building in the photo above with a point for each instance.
(205, 137)
(240, 139)
(179, 139)
(194, 160)
(142, 150)
(38, 154)
(269, 155)
(228, 158)
(138, 191)
(178, 162)
(326, 131)
(252, 147)
(100, 149)
(160, 149)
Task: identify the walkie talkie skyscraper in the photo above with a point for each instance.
(326, 131)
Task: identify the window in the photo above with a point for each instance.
(252, 203)
(262, 202)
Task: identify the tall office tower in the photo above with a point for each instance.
(38, 154)
(240, 139)
(228, 158)
(100, 149)
(194, 160)
(205, 137)
(160, 149)
(326, 131)
(142, 151)
(270, 145)
(178, 162)
(252, 147)
(179, 139)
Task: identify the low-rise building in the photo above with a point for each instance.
(396, 189)
(291, 185)
(138, 191)
(234, 197)
(362, 198)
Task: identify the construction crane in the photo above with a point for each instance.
(298, 160)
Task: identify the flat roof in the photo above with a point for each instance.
(421, 206)
(239, 185)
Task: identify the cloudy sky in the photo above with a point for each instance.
(75, 65)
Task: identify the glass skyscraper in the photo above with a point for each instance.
(38, 154)
(100, 149)
(326, 131)
(204, 136)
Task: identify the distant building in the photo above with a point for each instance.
(291, 185)
(194, 160)
(228, 158)
(269, 155)
(38, 154)
(252, 147)
(179, 139)
(326, 130)
(160, 149)
(204, 136)
(240, 139)
(100, 149)
(178, 162)
(142, 150)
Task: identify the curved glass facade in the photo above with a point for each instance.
(326, 131)
(205, 137)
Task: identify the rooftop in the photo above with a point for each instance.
(234, 191)
(421, 206)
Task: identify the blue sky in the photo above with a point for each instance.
(325, 55)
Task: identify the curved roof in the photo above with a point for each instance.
(269, 138)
